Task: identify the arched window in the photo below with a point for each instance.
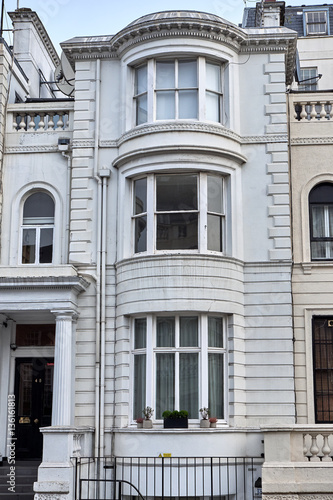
(321, 221)
(37, 229)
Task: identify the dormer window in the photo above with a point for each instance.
(178, 89)
(316, 22)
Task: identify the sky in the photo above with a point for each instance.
(64, 19)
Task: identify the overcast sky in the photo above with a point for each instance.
(65, 19)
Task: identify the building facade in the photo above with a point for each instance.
(146, 256)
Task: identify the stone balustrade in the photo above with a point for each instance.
(40, 117)
(318, 446)
(312, 107)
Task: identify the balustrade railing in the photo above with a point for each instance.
(318, 446)
(39, 117)
(312, 107)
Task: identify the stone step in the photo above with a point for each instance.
(25, 476)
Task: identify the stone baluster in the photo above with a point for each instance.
(41, 124)
(305, 448)
(313, 112)
(50, 124)
(22, 125)
(314, 450)
(60, 124)
(31, 124)
(323, 111)
(303, 114)
(326, 449)
(15, 125)
(331, 111)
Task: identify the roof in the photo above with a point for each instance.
(293, 18)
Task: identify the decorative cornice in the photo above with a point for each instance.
(83, 143)
(31, 149)
(55, 282)
(27, 15)
(184, 24)
(309, 141)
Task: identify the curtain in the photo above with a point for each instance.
(165, 332)
(139, 385)
(165, 383)
(215, 384)
(188, 331)
(188, 383)
(215, 332)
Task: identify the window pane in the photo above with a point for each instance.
(177, 231)
(165, 383)
(187, 74)
(188, 383)
(215, 390)
(140, 196)
(165, 105)
(38, 205)
(318, 222)
(140, 234)
(318, 250)
(176, 192)
(214, 233)
(213, 107)
(188, 107)
(29, 246)
(213, 77)
(330, 218)
(215, 332)
(165, 75)
(165, 332)
(141, 80)
(139, 385)
(46, 245)
(141, 109)
(140, 333)
(188, 331)
(215, 194)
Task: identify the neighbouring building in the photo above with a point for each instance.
(146, 255)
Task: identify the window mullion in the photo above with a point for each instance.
(203, 207)
(37, 249)
(203, 397)
(176, 90)
(151, 83)
(151, 204)
(150, 365)
(201, 88)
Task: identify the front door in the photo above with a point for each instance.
(33, 396)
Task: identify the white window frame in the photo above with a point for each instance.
(203, 350)
(308, 23)
(202, 211)
(202, 88)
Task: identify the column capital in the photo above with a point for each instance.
(65, 314)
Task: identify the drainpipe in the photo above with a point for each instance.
(98, 261)
(104, 174)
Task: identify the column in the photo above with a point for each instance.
(63, 381)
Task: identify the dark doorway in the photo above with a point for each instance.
(33, 396)
(323, 368)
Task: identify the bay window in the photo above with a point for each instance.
(182, 211)
(170, 89)
(179, 363)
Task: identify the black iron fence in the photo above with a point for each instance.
(165, 478)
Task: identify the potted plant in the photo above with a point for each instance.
(204, 422)
(175, 419)
(139, 422)
(148, 412)
(213, 421)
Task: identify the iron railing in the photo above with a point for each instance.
(165, 478)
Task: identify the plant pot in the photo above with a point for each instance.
(204, 423)
(213, 425)
(176, 423)
(139, 425)
(147, 424)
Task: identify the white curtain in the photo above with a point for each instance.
(165, 383)
(215, 381)
(188, 383)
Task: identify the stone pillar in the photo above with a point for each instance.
(63, 381)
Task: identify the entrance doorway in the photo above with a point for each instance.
(33, 396)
